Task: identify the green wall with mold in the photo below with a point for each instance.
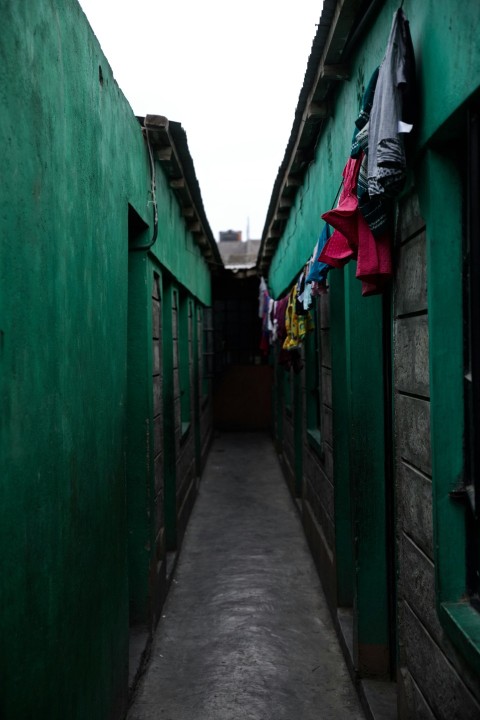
(73, 159)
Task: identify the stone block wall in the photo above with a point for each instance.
(434, 681)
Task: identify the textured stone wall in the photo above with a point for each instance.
(434, 681)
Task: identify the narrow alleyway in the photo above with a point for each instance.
(245, 631)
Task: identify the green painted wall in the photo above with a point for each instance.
(63, 313)
(364, 433)
(175, 247)
(448, 70)
(356, 384)
(73, 158)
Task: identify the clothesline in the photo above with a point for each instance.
(359, 227)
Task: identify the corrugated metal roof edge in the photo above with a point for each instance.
(318, 45)
(180, 138)
(330, 15)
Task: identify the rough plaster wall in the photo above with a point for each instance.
(63, 266)
(74, 159)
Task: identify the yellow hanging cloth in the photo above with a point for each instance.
(296, 326)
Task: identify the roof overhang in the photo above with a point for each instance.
(341, 25)
(168, 141)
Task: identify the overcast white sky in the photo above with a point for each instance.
(231, 73)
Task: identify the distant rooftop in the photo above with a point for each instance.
(230, 236)
(236, 253)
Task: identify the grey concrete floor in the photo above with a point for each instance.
(245, 632)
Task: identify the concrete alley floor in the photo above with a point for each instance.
(245, 631)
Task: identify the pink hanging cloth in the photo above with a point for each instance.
(353, 239)
(342, 244)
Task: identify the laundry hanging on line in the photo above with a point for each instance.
(373, 176)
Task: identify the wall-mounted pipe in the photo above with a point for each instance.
(153, 192)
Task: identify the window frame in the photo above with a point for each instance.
(442, 199)
(471, 384)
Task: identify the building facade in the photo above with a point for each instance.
(107, 345)
(377, 432)
(106, 259)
